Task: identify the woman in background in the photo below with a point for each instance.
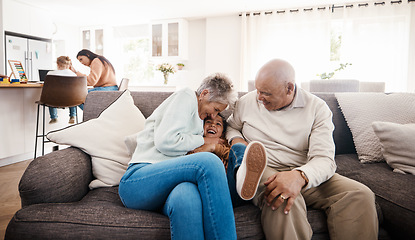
(63, 63)
(102, 74)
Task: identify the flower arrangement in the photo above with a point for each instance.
(166, 69)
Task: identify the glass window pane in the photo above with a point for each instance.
(99, 41)
(86, 39)
(173, 41)
(157, 40)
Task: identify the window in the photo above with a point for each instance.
(375, 39)
(133, 58)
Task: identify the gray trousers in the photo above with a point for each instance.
(348, 204)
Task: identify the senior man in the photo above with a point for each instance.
(296, 130)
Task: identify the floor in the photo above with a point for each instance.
(9, 195)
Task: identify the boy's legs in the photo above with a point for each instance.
(53, 114)
(245, 167)
(236, 154)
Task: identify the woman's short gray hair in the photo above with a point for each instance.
(220, 89)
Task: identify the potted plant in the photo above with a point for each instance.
(331, 74)
(180, 66)
(327, 84)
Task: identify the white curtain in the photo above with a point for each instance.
(376, 39)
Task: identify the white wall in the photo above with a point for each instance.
(68, 42)
(195, 70)
(223, 47)
(28, 20)
(2, 53)
(411, 59)
(212, 48)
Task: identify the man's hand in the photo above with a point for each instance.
(281, 187)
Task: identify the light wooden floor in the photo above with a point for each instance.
(9, 195)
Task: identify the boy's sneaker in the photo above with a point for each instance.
(53, 120)
(71, 120)
(250, 172)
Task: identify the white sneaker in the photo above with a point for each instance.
(250, 172)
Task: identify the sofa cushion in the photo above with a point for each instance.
(398, 145)
(103, 139)
(69, 170)
(101, 215)
(341, 134)
(395, 192)
(361, 109)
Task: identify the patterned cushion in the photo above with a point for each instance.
(361, 109)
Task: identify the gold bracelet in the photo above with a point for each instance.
(304, 177)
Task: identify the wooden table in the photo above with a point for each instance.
(22, 85)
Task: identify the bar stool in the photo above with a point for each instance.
(59, 92)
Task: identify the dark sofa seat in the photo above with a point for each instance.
(57, 204)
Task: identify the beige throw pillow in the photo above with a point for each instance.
(398, 145)
(361, 109)
(103, 139)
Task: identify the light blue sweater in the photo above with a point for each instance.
(173, 129)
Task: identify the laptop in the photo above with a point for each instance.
(42, 74)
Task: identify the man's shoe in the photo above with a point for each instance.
(250, 172)
(53, 120)
(71, 120)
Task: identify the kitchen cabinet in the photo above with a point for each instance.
(169, 39)
(93, 39)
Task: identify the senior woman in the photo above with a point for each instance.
(191, 190)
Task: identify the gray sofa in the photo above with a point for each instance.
(57, 204)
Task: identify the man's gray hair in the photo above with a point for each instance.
(220, 89)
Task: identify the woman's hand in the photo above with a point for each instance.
(210, 144)
(72, 68)
(205, 148)
(214, 140)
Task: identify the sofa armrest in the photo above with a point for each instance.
(58, 177)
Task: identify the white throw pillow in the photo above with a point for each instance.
(398, 145)
(361, 109)
(103, 139)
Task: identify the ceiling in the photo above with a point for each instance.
(127, 12)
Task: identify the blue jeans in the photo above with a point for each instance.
(191, 190)
(54, 112)
(109, 88)
(236, 155)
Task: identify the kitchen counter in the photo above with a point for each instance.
(22, 85)
(18, 121)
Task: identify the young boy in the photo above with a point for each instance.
(216, 128)
(244, 183)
